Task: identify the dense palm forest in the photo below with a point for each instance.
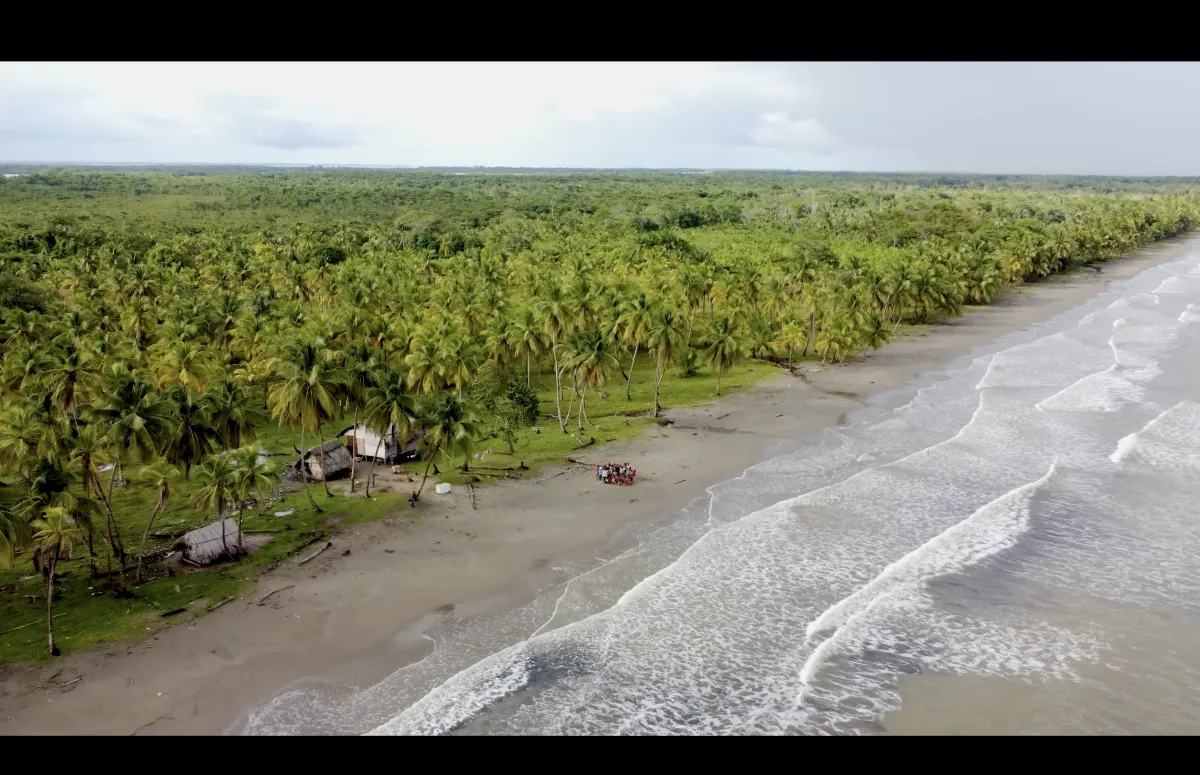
(161, 330)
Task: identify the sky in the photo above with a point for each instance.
(1102, 118)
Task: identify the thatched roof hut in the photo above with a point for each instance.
(330, 460)
(205, 545)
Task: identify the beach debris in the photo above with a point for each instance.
(262, 599)
(681, 481)
(23, 626)
(443, 488)
(173, 611)
(285, 513)
(560, 473)
(722, 416)
(471, 489)
(314, 554)
(346, 553)
(389, 551)
(218, 605)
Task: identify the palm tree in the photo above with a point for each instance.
(159, 474)
(389, 407)
(724, 347)
(137, 424)
(792, 336)
(359, 362)
(307, 395)
(72, 374)
(665, 337)
(53, 539)
(194, 435)
(450, 426)
(633, 326)
(555, 314)
(252, 479)
(426, 364)
(14, 532)
(233, 412)
(526, 338)
(589, 360)
(216, 478)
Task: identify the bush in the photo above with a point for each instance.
(689, 362)
(523, 400)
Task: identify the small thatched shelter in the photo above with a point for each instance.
(205, 545)
(330, 460)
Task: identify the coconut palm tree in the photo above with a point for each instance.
(450, 426)
(194, 435)
(632, 328)
(389, 406)
(216, 478)
(53, 539)
(526, 338)
(307, 395)
(252, 478)
(555, 312)
(233, 412)
(137, 424)
(72, 374)
(589, 360)
(359, 362)
(724, 347)
(665, 337)
(791, 337)
(159, 474)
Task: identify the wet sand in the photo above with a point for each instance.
(355, 613)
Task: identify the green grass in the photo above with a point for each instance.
(83, 621)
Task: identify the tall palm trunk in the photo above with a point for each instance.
(88, 527)
(659, 369)
(629, 378)
(562, 425)
(142, 550)
(52, 565)
(221, 519)
(812, 333)
(304, 473)
(354, 452)
(527, 359)
(718, 381)
(114, 532)
(582, 411)
(425, 475)
(571, 403)
(371, 470)
(324, 467)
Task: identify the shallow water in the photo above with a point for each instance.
(1026, 518)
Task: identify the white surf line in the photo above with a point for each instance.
(567, 588)
(1127, 445)
(959, 546)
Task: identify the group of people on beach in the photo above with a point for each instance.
(616, 473)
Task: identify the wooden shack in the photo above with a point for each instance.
(327, 461)
(363, 443)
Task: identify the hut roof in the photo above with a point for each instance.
(334, 457)
(204, 545)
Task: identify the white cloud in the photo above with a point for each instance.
(778, 129)
(1002, 117)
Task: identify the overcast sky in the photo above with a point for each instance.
(1086, 118)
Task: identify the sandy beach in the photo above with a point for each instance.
(355, 613)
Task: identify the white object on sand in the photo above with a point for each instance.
(443, 488)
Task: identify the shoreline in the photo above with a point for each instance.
(356, 613)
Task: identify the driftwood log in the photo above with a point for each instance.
(327, 545)
(263, 599)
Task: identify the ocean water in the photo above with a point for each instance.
(1028, 516)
